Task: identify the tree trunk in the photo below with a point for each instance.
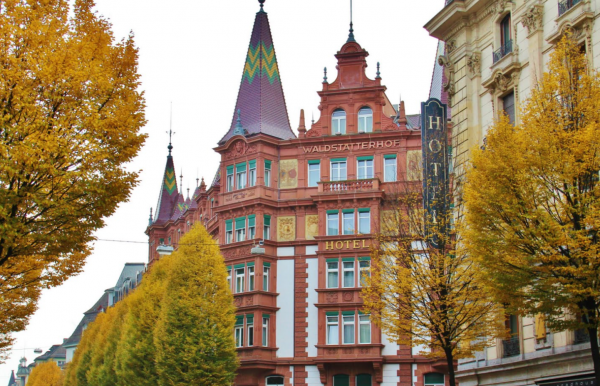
(593, 334)
(450, 362)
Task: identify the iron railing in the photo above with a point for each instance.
(581, 336)
(565, 5)
(504, 50)
(511, 347)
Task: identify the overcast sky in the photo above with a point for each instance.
(192, 54)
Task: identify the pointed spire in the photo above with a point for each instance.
(239, 129)
(181, 181)
(324, 74)
(351, 34)
(378, 73)
(260, 100)
(168, 194)
(150, 219)
(202, 185)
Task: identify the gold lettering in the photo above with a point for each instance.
(435, 167)
(380, 144)
(355, 244)
(435, 146)
(363, 243)
(347, 244)
(328, 245)
(437, 122)
(340, 243)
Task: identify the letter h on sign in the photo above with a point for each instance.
(434, 134)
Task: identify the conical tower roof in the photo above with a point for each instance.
(260, 102)
(168, 193)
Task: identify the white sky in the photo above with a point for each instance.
(192, 54)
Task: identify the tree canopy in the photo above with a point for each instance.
(533, 200)
(46, 374)
(70, 116)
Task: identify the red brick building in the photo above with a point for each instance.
(315, 199)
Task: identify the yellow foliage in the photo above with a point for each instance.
(46, 374)
(70, 116)
(533, 198)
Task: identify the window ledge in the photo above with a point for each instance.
(574, 18)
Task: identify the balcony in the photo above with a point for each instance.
(565, 5)
(504, 50)
(349, 186)
(511, 347)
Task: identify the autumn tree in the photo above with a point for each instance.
(423, 288)
(70, 115)
(194, 335)
(46, 374)
(533, 201)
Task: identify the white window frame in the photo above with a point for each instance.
(250, 333)
(348, 267)
(239, 335)
(251, 278)
(391, 175)
(230, 181)
(240, 274)
(266, 279)
(363, 320)
(364, 216)
(252, 176)
(252, 231)
(348, 218)
(338, 123)
(229, 277)
(363, 118)
(312, 182)
(333, 322)
(267, 176)
(333, 269)
(363, 266)
(229, 236)
(241, 179)
(348, 321)
(341, 170)
(240, 233)
(365, 169)
(265, 332)
(336, 220)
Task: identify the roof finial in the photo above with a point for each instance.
(181, 181)
(351, 34)
(188, 191)
(170, 132)
(239, 129)
(325, 75)
(262, 2)
(150, 219)
(313, 118)
(378, 73)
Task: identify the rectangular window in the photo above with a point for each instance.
(252, 172)
(364, 220)
(250, 329)
(267, 173)
(508, 105)
(240, 170)
(364, 269)
(229, 277)
(267, 227)
(239, 278)
(348, 327)
(250, 277)
(364, 328)
(332, 273)
(333, 328)
(239, 331)
(265, 330)
(338, 169)
(230, 178)
(314, 172)
(266, 271)
(364, 167)
(251, 227)
(389, 168)
(348, 272)
(333, 223)
(348, 221)
(240, 229)
(228, 231)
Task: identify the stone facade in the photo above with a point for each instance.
(487, 59)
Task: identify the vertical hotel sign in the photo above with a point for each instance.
(434, 135)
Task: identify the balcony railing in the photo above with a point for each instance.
(504, 50)
(348, 186)
(511, 347)
(581, 336)
(565, 5)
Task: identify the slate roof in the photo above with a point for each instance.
(260, 101)
(57, 351)
(130, 271)
(88, 317)
(438, 78)
(12, 381)
(168, 193)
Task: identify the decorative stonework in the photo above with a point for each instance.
(474, 63)
(532, 19)
(348, 296)
(450, 46)
(311, 222)
(501, 82)
(331, 297)
(286, 228)
(448, 85)
(288, 172)
(501, 5)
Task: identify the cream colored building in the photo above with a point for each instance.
(495, 53)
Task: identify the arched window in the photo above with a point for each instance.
(434, 379)
(276, 380)
(363, 380)
(365, 120)
(341, 380)
(338, 122)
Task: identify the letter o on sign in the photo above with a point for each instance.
(435, 146)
